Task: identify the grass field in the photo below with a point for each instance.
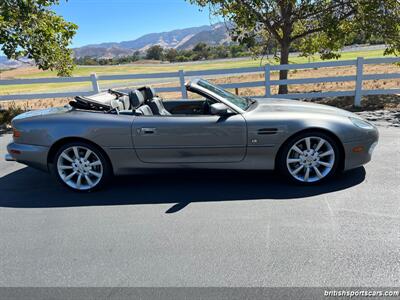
(142, 68)
(156, 68)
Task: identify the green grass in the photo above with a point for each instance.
(155, 68)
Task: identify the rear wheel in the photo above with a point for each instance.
(309, 158)
(81, 167)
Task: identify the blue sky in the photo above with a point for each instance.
(120, 20)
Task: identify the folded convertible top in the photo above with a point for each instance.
(100, 101)
(111, 100)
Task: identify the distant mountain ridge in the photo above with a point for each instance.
(6, 63)
(180, 39)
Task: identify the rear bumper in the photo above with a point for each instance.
(8, 157)
(31, 155)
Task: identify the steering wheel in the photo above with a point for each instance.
(207, 106)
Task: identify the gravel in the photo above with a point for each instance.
(385, 118)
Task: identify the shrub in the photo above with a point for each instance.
(6, 115)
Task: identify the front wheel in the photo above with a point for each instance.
(81, 167)
(309, 158)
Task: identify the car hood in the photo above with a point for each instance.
(285, 105)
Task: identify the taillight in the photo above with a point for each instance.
(13, 151)
(16, 133)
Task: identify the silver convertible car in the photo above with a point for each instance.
(114, 133)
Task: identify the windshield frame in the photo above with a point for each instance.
(194, 85)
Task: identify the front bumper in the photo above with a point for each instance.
(31, 155)
(359, 158)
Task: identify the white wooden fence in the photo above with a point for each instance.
(267, 82)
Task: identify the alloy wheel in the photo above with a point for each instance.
(310, 159)
(80, 168)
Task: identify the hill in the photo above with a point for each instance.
(178, 39)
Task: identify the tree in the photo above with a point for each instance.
(155, 52)
(171, 54)
(314, 26)
(220, 51)
(201, 51)
(30, 29)
(236, 50)
(136, 56)
(89, 61)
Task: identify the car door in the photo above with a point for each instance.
(190, 138)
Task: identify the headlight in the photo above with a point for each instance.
(361, 123)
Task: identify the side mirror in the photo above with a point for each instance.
(220, 109)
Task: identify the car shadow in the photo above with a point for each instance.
(29, 188)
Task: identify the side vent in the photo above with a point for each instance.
(264, 131)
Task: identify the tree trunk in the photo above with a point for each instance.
(283, 74)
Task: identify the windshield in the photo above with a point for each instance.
(234, 99)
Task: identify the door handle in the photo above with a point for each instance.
(147, 130)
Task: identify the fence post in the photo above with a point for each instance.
(267, 70)
(95, 83)
(359, 82)
(182, 81)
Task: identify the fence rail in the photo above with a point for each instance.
(181, 75)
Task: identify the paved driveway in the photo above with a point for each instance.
(204, 228)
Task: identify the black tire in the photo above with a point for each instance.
(282, 165)
(106, 169)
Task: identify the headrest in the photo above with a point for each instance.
(150, 92)
(136, 98)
